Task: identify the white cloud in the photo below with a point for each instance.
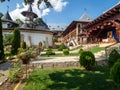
(58, 5)
(45, 12)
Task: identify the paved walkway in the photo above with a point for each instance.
(4, 71)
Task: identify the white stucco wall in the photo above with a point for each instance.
(35, 37)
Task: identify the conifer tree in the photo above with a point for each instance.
(1, 42)
(15, 41)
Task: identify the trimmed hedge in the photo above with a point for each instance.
(87, 59)
(80, 51)
(113, 57)
(61, 47)
(115, 73)
(65, 51)
(50, 52)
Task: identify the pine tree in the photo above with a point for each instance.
(15, 41)
(1, 42)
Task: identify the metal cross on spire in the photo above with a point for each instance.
(7, 8)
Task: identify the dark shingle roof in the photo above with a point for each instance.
(29, 12)
(7, 17)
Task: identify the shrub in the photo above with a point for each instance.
(14, 72)
(61, 47)
(113, 57)
(50, 52)
(66, 51)
(80, 51)
(87, 59)
(15, 41)
(115, 73)
(23, 45)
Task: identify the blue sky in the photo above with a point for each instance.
(71, 10)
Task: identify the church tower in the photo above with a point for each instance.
(30, 15)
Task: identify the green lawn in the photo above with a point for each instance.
(93, 50)
(70, 79)
(97, 49)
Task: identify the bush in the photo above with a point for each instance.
(61, 47)
(66, 51)
(87, 59)
(115, 73)
(113, 57)
(14, 72)
(15, 41)
(50, 52)
(23, 45)
(80, 51)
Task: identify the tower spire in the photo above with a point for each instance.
(7, 8)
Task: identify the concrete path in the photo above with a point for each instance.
(4, 71)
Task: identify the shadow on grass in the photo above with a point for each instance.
(72, 79)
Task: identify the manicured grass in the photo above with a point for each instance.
(70, 79)
(97, 49)
(93, 50)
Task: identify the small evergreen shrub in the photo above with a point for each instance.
(50, 52)
(15, 41)
(66, 51)
(87, 59)
(113, 57)
(115, 73)
(80, 51)
(23, 45)
(61, 47)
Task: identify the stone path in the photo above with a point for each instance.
(4, 71)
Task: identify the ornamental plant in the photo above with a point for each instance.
(115, 73)
(23, 45)
(87, 59)
(113, 57)
(15, 41)
(80, 51)
(66, 51)
(26, 56)
(49, 52)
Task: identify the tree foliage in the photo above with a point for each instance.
(47, 3)
(1, 14)
(1, 42)
(7, 39)
(15, 41)
(18, 21)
